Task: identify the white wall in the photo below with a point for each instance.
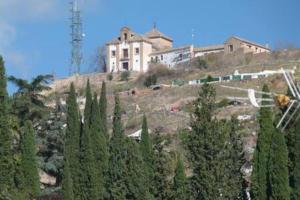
(112, 60)
(136, 57)
(172, 58)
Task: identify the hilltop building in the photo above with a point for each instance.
(135, 52)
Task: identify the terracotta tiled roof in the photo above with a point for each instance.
(135, 38)
(209, 48)
(154, 33)
(170, 50)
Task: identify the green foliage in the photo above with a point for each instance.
(110, 76)
(180, 185)
(136, 179)
(28, 101)
(29, 167)
(6, 156)
(293, 144)
(162, 169)
(223, 103)
(71, 150)
(99, 146)
(262, 153)
(103, 109)
(67, 183)
(210, 152)
(201, 63)
(117, 166)
(125, 75)
(147, 153)
(88, 172)
(278, 177)
(150, 80)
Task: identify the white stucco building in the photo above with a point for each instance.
(131, 51)
(135, 52)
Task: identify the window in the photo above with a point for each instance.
(180, 57)
(137, 51)
(113, 53)
(230, 48)
(125, 36)
(162, 57)
(125, 53)
(249, 46)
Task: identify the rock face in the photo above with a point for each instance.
(47, 179)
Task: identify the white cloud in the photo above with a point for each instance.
(7, 34)
(21, 10)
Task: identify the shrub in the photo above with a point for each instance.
(201, 63)
(125, 76)
(109, 76)
(150, 80)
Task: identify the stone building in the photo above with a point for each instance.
(234, 43)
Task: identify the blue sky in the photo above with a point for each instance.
(34, 34)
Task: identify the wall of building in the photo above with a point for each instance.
(136, 58)
(171, 58)
(245, 47)
(145, 56)
(203, 53)
(161, 43)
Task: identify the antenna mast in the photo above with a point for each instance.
(76, 38)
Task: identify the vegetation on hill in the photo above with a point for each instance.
(88, 153)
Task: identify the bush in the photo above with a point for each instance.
(125, 76)
(109, 76)
(201, 63)
(150, 80)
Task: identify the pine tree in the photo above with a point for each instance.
(262, 152)
(103, 108)
(278, 177)
(6, 157)
(88, 173)
(71, 149)
(180, 185)
(233, 161)
(136, 178)
(205, 144)
(99, 145)
(116, 184)
(29, 162)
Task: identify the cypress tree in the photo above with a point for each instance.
(117, 166)
(145, 144)
(67, 182)
(147, 153)
(88, 173)
(136, 178)
(99, 146)
(278, 177)
(161, 166)
(28, 161)
(71, 149)
(180, 185)
(262, 152)
(293, 144)
(6, 157)
(103, 109)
